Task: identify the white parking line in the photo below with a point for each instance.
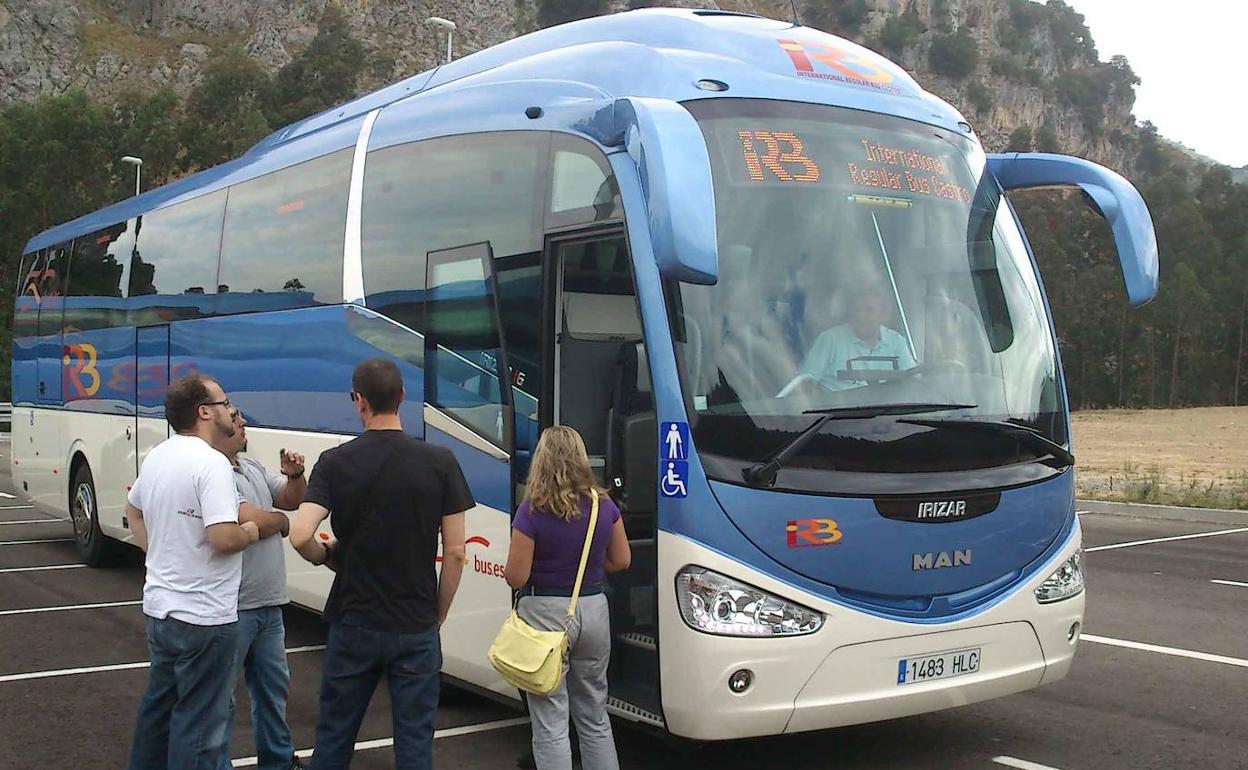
(382, 743)
(64, 607)
(40, 569)
(32, 542)
(1021, 764)
(115, 667)
(6, 495)
(1235, 583)
(33, 521)
(16, 507)
(1165, 539)
(1177, 652)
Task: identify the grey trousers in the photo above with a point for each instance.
(584, 686)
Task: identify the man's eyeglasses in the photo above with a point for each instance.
(354, 396)
(223, 402)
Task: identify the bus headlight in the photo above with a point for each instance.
(1065, 582)
(716, 604)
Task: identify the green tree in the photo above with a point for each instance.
(901, 31)
(1020, 140)
(842, 17)
(147, 126)
(325, 73)
(955, 55)
(225, 112)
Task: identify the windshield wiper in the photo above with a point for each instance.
(763, 474)
(1025, 434)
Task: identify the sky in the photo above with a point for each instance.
(1191, 57)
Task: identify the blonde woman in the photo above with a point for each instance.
(547, 537)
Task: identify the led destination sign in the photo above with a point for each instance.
(787, 157)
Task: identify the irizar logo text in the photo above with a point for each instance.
(942, 509)
(955, 558)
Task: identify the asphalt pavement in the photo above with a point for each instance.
(1158, 682)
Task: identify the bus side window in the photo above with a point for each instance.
(583, 190)
(173, 263)
(26, 313)
(440, 194)
(96, 279)
(51, 287)
(282, 245)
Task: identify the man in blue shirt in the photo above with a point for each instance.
(862, 343)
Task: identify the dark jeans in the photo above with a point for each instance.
(261, 656)
(181, 724)
(355, 659)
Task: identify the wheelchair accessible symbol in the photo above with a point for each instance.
(673, 481)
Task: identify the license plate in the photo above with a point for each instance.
(942, 666)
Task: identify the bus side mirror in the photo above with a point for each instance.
(1114, 197)
(670, 152)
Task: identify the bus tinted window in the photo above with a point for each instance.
(95, 280)
(441, 193)
(283, 237)
(51, 283)
(582, 188)
(174, 263)
(26, 313)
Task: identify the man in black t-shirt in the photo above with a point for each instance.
(390, 496)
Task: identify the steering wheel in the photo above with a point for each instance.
(947, 366)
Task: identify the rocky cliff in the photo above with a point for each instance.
(1008, 64)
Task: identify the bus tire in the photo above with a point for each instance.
(93, 546)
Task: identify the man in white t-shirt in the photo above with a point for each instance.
(183, 511)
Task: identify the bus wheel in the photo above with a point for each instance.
(93, 546)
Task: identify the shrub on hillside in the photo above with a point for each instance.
(844, 18)
(901, 31)
(1020, 140)
(954, 55)
(980, 96)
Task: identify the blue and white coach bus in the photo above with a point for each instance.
(775, 284)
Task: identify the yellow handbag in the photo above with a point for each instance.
(532, 660)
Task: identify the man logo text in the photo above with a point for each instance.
(941, 560)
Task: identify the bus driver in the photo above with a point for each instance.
(862, 343)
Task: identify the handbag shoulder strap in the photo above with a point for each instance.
(589, 539)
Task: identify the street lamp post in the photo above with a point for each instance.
(138, 169)
(449, 26)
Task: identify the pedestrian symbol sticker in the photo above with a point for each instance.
(674, 441)
(674, 478)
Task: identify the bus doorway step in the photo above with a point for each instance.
(633, 713)
(641, 640)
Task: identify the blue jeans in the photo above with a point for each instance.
(355, 659)
(261, 656)
(181, 722)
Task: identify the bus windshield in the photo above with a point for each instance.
(864, 260)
